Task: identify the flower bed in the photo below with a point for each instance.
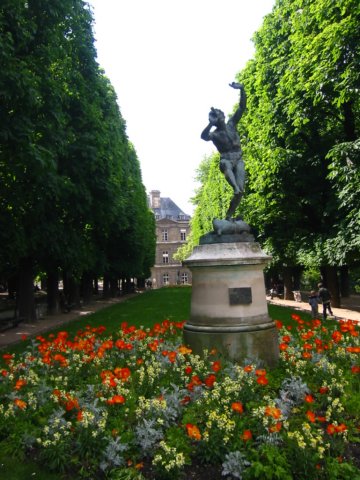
(139, 405)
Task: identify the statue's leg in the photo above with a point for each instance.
(226, 169)
(239, 174)
(233, 205)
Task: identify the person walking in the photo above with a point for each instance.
(325, 297)
(314, 304)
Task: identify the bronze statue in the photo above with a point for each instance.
(226, 139)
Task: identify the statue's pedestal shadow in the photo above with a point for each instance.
(228, 305)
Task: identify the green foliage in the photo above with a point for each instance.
(270, 463)
(303, 104)
(70, 181)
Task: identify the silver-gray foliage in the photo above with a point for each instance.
(112, 455)
(234, 464)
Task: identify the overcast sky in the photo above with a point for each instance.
(169, 62)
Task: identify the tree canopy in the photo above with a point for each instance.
(300, 134)
(69, 177)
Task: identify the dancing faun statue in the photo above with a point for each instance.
(226, 139)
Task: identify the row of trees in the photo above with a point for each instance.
(71, 195)
(300, 137)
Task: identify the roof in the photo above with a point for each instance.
(169, 209)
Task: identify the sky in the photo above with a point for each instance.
(170, 61)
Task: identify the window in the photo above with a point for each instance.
(165, 257)
(183, 235)
(184, 278)
(157, 216)
(164, 235)
(165, 279)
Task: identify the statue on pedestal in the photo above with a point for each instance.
(226, 139)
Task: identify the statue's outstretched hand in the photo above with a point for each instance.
(236, 85)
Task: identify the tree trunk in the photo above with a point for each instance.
(288, 284)
(87, 288)
(25, 293)
(96, 285)
(140, 282)
(12, 287)
(114, 287)
(106, 286)
(297, 271)
(349, 122)
(53, 299)
(332, 285)
(344, 281)
(74, 292)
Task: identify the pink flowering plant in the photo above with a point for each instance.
(138, 404)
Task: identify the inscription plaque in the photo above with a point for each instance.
(240, 296)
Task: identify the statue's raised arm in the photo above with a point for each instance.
(242, 102)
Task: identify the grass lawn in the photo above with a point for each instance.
(146, 309)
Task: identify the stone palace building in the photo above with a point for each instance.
(172, 229)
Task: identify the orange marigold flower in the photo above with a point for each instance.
(153, 345)
(216, 366)
(275, 428)
(7, 357)
(283, 346)
(273, 412)
(286, 338)
(295, 317)
(306, 355)
(185, 400)
(193, 431)
(321, 419)
(331, 429)
(355, 369)
(184, 350)
(260, 372)
(116, 400)
(20, 403)
(309, 399)
(262, 380)
(340, 428)
(4, 373)
(336, 336)
(20, 383)
(246, 435)
(188, 369)
(311, 416)
(353, 349)
(122, 373)
(237, 407)
(248, 368)
(210, 380)
(278, 324)
(172, 356)
(71, 404)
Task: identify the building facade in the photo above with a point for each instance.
(172, 229)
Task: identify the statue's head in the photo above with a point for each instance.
(216, 116)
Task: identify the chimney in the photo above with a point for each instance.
(155, 198)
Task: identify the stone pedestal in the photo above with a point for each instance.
(228, 305)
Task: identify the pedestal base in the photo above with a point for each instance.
(228, 305)
(243, 345)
